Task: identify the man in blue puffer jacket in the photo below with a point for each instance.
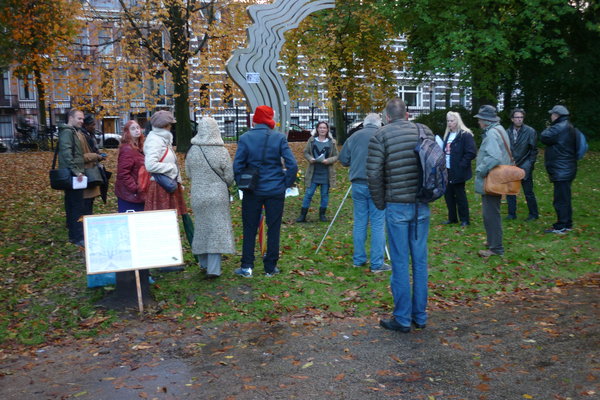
(560, 158)
(273, 180)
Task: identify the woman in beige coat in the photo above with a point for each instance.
(209, 168)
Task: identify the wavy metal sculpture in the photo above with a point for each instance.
(254, 68)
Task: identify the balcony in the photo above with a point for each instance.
(9, 101)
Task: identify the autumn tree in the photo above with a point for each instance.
(348, 48)
(176, 35)
(482, 41)
(34, 34)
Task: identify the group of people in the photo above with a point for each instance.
(385, 180)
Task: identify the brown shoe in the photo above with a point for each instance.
(488, 253)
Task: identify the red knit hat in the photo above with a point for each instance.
(264, 115)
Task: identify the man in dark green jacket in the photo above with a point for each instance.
(393, 178)
(70, 155)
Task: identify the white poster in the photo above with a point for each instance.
(253, 77)
(129, 241)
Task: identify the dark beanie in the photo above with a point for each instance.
(264, 115)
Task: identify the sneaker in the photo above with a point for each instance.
(488, 253)
(245, 272)
(358, 265)
(272, 273)
(509, 217)
(531, 218)
(384, 267)
(393, 325)
(556, 231)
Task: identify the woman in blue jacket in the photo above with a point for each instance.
(460, 150)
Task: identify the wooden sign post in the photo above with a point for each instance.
(132, 241)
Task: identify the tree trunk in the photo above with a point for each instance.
(338, 120)
(41, 91)
(183, 127)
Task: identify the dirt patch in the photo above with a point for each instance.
(529, 345)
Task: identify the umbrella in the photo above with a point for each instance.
(104, 186)
(188, 227)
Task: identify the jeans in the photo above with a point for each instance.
(401, 227)
(252, 205)
(310, 193)
(562, 205)
(456, 198)
(527, 185)
(492, 222)
(365, 211)
(74, 210)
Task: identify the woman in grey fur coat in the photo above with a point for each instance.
(209, 168)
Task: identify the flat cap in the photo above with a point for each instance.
(558, 109)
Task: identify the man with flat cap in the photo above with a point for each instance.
(560, 158)
(492, 152)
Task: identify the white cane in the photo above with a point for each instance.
(333, 220)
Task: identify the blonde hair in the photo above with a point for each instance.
(461, 125)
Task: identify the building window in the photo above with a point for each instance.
(104, 3)
(6, 131)
(5, 84)
(86, 85)
(411, 95)
(136, 83)
(82, 43)
(61, 85)
(105, 42)
(26, 88)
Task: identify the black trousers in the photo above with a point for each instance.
(562, 205)
(527, 185)
(456, 198)
(252, 205)
(74, 210)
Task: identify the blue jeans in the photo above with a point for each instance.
(401, 229)
(310, 193)
(365, 211)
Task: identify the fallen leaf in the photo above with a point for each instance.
(308, 364)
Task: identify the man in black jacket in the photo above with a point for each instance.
(560, 158)
(393, 179)
(523, 146)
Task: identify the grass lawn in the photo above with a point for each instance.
(43, 292)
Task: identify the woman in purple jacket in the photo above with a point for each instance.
(131, 158)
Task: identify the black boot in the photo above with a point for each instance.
(322, 216)
(302, 217)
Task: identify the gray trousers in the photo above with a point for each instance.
(492, 221)
(211, 262)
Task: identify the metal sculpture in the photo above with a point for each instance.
(254, 68)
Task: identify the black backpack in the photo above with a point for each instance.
(433, 176)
